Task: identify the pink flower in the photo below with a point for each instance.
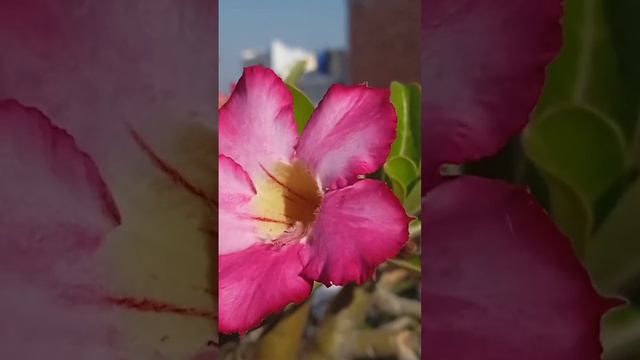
(294, 211)
(500, 280)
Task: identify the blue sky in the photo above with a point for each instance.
(311, 24)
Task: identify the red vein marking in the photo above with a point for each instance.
(265, 219)
(169, 170)
(146, 305)
(284, 185)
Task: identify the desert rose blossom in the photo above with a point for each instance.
(500, 280)
(293, 211)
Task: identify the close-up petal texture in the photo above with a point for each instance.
(55, 206)
(55, 214)
(104, 71)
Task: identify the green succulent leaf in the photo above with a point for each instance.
(403, 164)
(302, 107)
(621, 334)
(612, 255)
(579, 147)
(413, 200)
(406, 100)
(587, 71)
(402, 172)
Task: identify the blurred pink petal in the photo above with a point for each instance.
(55, 207)
(257, 128)
(501, 280)
(99, 70)
(483, 69)
(338, 143)
(358, 227)
(259, 281)
(55, 212)
(95, 66)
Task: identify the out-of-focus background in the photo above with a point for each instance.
(343, 41)
(349, 42)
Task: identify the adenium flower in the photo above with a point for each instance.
(107, 211)
(295, 210)
(500, 280)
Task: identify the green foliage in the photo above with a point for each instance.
(403, 165)
(578, 147)
(621, 334)
(561, 144)
(585, 142)
(613, 256)
(302, 107)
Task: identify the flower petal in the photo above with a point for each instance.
(257, 282)
(358, 227)
(236, 227)
(100, 70)
(349, 134)
(149, 68)
(55, 212)
(501, 280)
(55, 206)
(483, 68)
(257, 128)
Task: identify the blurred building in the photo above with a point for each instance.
(323, 68)
(384, 41)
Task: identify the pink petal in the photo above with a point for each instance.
(358, 227)
(95, 67)
(55, 207)
(55, 212)
(483, 69)
(236, 226)
(349, 134)
(257, 282)
(257, 127)
(100, 69)
(501, 281)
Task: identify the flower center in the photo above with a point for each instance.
(286, 202)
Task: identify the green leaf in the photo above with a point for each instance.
(579, 147)
(402, 172)
(403, 164)
(296, 73)
(621, 334)
(613, 255)
(413, 201)
(587, 71)
(302, 107)
(572, 213)
(412, 266)
(581, 154)
(406, 100)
